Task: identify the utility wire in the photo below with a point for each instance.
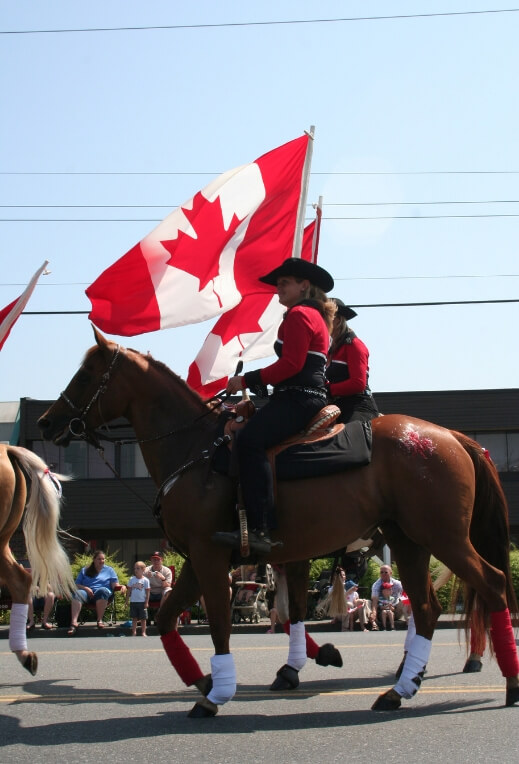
(324, 217)
(173, 206)
(262, 23)
(370, 305)
(337, 278)
(215, 173)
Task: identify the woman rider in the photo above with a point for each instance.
(348, 371)
(298, 379)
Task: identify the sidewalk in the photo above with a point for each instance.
(91, 630)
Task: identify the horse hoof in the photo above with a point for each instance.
(472, 666)
(512, 695)
(31, 663)
(203, 709)
(287, 678)
(328, 655)
(205, 685)
(400, 669)
(389, 701)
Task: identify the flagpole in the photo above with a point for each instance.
(305, 180)
(317, 232)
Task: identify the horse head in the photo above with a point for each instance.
(89, 400)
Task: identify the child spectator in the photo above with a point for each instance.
(138, 594)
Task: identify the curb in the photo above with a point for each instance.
(91, 630)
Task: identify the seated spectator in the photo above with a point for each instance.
(44, 604)
(95, 586)
(358, 609)
(386, 594)
(160, 577)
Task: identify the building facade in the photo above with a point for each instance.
(115, 514)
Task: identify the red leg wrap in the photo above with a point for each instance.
(503, 641)
(312, 648)
(180, 657)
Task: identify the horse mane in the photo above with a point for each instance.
(163, 369)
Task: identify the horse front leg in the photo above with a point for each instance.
(19, 582)
(212, 571)
(287, 677)
(184, 594)
(323, 655)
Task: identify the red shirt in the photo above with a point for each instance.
(348, 369)
(302, 332)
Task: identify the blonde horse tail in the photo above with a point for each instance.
(49, 562)
(444, 576)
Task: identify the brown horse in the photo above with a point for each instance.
(430, 490)
(26, 483)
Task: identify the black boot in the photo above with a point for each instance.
(259, 541)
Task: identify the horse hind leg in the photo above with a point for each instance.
(413, 567)
(19, 582)
(16, 578)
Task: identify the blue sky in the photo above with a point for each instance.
(408, 112)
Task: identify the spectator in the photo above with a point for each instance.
(95, 586)
(160, 578)
(45, 604)
(358, 609)
(138, 594)
(392, 593)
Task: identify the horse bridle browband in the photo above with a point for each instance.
(103, 384)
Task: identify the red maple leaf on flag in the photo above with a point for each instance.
(200, 255)
(247, 313)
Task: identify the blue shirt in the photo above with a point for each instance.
(104, 578)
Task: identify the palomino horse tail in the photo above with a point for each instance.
(48, 560)
(489, 532)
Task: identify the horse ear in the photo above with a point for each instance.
(101, 341)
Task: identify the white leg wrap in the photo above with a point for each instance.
(411, 633)
(414, 667)
(297, 648)
(223, 673)
(18, 627)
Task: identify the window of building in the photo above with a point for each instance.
(495, 443)
(132, 462)
(513, 451)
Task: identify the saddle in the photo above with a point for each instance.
(320, 428)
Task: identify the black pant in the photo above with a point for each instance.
(356, 408)
(285, 414)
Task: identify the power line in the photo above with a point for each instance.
(214, 173)
(367, 305)
(261, 23)
(172, 206)
(324, 217)
(444, 277)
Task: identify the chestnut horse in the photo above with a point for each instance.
(430, 490)
(27, 483)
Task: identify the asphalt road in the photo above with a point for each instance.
(116, 699)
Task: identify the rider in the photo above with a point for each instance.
(347, 372)
(299, 389)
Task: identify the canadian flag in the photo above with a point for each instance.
(208, 253)
(9, 315)
(246, 332)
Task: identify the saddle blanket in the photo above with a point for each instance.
(350, 448)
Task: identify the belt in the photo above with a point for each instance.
(307, 390)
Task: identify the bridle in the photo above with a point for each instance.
(77, 426)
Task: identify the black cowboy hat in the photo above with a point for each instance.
(300, 269)
(343, 310)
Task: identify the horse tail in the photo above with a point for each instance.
(489, 533)
(49, 562)
(444, 576)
